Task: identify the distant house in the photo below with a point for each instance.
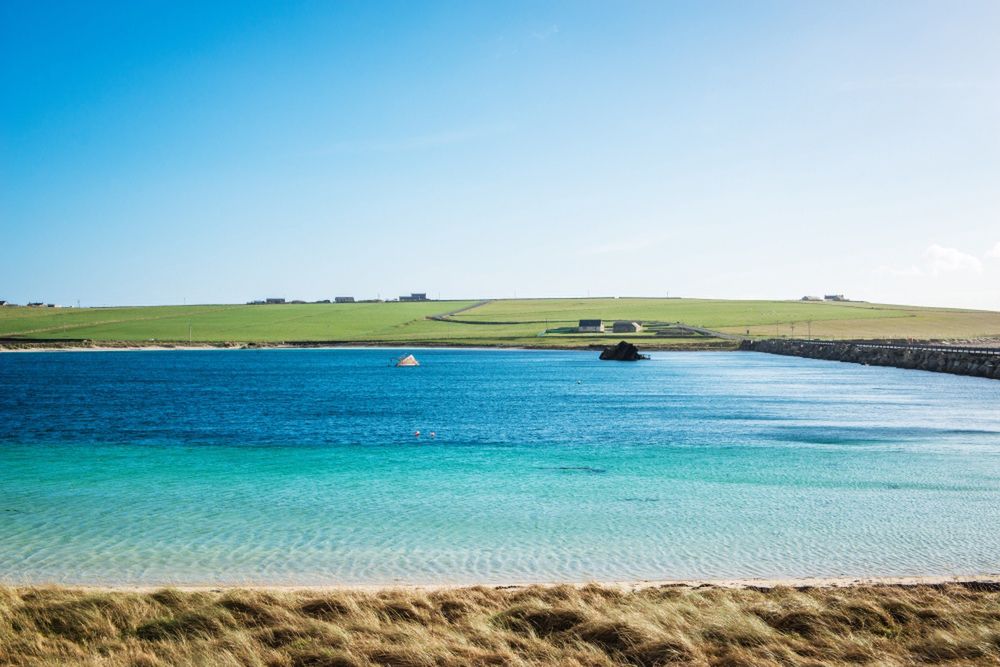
(2, 302)
(625, 326)
(273, 300)
(812, 298)
(415, 296)
(835, 297)
(591, 326)
(344, 299)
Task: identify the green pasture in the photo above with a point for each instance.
(258, 323)
(709, 313)
(502, 322)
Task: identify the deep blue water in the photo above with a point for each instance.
(301, 467)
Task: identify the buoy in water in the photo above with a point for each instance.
(416, 433)
(408, 360)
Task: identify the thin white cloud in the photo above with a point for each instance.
(938, 260)
(632, 245)
(916, 84)
(545, 33)
(432, 140)
(908, 272)
(417, 142)
(995, 252)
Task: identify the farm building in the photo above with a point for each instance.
(415, 296)
(591, 326)
(344, 299)
(274, 300)
(835, 297)
(625, 326)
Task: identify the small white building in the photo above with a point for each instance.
(626, 326)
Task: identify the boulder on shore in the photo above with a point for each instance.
(623, 351)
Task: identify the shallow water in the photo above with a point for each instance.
(301, 467)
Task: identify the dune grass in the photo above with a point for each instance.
(515, 322)
(955, 624)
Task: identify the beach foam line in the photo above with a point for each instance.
(987, 580)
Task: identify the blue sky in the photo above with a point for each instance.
(169, 152)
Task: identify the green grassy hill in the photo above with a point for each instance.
(534, 322)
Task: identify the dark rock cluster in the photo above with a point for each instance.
(623, 351)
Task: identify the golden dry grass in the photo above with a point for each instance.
(955, 624)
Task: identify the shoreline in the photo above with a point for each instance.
(110, 346)
(987, 581)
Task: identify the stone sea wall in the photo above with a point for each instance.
(979, 362)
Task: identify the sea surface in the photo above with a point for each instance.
(301, 467)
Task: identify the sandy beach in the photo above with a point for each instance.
(985, 580)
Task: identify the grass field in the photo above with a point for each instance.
(595, 626)
(516, 322)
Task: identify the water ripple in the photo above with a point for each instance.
(301, 467)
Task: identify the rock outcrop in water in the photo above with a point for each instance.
(977, 362)
(623, 351)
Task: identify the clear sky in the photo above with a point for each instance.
(204, 152)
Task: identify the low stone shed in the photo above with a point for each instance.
(626, 326)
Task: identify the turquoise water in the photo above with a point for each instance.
(301, 467)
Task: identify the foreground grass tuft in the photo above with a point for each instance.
(956, 624)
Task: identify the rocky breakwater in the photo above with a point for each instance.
(978, 362)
